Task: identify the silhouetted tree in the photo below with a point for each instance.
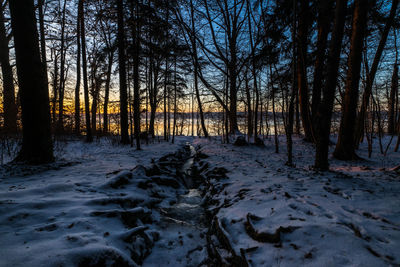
(37, 146)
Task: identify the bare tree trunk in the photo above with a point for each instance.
(325, 108)
(359, 130)
(297, 126)
(195, 58)
(37, 146)
(60, 123)
(55, 89)
(393, 92)
(289, 127)
(123, 94)
(42, 39)
(89, 136)
(345, 147)
(107, 92)
(136, 85)
(302, 70)
(323, 24)
(78, 77)
(392, 127)
(153, 95)
(175, 107)
(249, 112)
(9, 105)
(165, 101)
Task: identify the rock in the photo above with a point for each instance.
(240, 141)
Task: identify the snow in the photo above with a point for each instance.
(69, 212)
(104, 203)
(347, 217)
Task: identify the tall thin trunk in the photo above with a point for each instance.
(249, 111)
(359, 130)
(297, 122)
(37, 146)
(89, 136)
(78, 77)
(136, 85)
(345, 147)
(302, 70)
(276, 141)
(107, 91)
(289, 127)
(325, 108)
(175, 107)
(153, 96)
(165, 100)
(55, 89)
(60, 124)
(393, 92)
(43, 39)
(233, 93)
(195, 57)
(123, 92)
(95, 98)
(323, 24)
(9, 105)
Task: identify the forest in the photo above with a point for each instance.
(199, 132)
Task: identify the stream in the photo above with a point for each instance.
(182, 225)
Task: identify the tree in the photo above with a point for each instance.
(78, 76)
(123, 92)
(37, 146)
(323, 24)
(136, 31)
(325, 107)
(359, 130)
(195, 66)
(302, 69)
(392, 100)
(10, 108)
(81, 15)
(61, 87)
(345, 147)
(232, 25)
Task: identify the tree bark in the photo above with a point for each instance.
(325, 107)
(345, 147)
(9, 105)
(392, 99)
(78, 77)
(123, 92)
(302, 70)
(37, 146)
(89, 136)
(136, 85)
(107, 92)
(249, 109)
(324, 22)
(60, 123)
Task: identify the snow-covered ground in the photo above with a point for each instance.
(98, 206)
(275, 215)
(70, 212)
